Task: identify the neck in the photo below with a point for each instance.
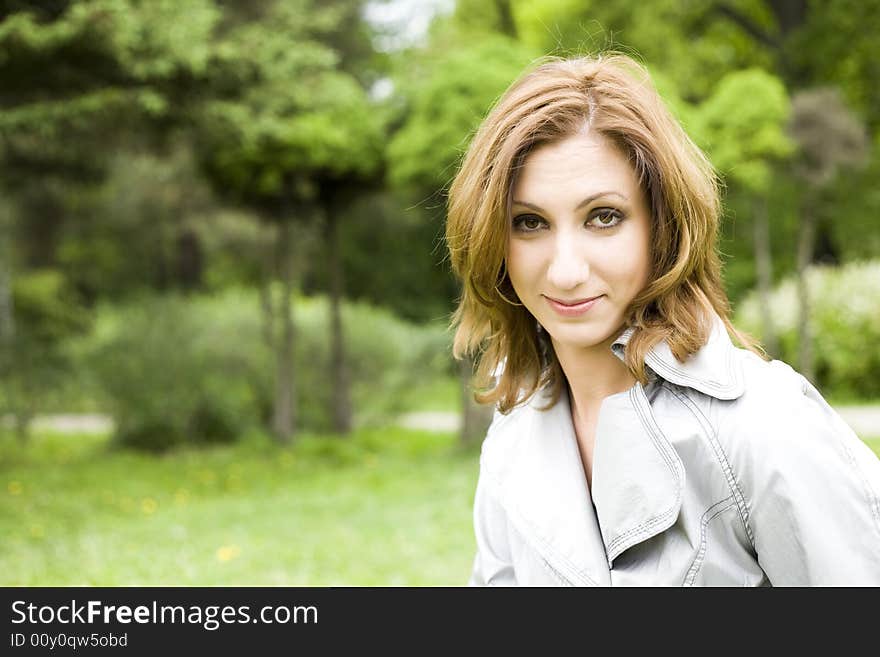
(593, 374)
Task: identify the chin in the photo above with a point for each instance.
(580, 337)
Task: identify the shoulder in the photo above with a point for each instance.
(778, 405)
(775, 412)
(782, 435)
(773, 392)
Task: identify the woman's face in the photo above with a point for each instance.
(579, 246)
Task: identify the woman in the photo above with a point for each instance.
(633, 443)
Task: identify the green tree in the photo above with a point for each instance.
(289, 134)
(47, 313)
(814, 45)
(77, 77)
(691, 45)
(830, 138)
(743, 127)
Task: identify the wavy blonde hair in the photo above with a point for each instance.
(614, 96)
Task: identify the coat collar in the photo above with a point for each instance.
(713, 370)
(638, 478)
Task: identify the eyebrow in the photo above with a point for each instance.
(586, 201)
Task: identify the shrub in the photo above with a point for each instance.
(385, 355)
(197, 369)
(846, 325)
(168, 379)
(33, 361)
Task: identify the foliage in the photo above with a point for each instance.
(47, 311)
(189, 370)
(149, 200)
(829, 135)
(102, 100)
(168, 379)
(742, 125)
(836, 45)
(393, 256)
(736, 242)
(850, 209)
(684, 40)
(74, 77)
(386, 357)
(34, 362)
(290, 117)
(451, 89)
(846, 321)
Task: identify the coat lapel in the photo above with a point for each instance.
(549, 492)
(638, 479)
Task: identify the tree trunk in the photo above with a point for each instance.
(7, 330)
(806, 239)
(23, 420)
(284, 422)
(764, 266)
(267, 306)
(7, 314)
(475, 418)
(506, 24)
(342, 419)
(190, 262)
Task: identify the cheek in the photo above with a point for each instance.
(629, 265)
(521, 263)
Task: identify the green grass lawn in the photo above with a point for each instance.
(387, 507)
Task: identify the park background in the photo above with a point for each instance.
(224, 297)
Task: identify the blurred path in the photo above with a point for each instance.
(865, 421)
(446, 421)
(67, 423)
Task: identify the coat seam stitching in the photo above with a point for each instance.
(719, 387)
(700, 557)
(720, 455)
(873, 502)
(852, 462)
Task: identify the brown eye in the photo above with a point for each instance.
(527, 222)
(606, 218)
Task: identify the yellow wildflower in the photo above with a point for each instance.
(227, 552)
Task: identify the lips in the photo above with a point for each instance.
(576, 302)
(572, 307)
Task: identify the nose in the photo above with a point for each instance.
(569, 266)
